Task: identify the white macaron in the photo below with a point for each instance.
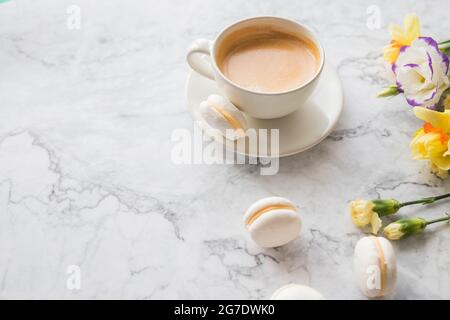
(375, 266)
(273, 222)
(220, 114)
(296, 292)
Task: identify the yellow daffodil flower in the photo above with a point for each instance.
(402, 37)
(432, 140)
(435, 118)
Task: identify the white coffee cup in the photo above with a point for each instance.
(202, 57)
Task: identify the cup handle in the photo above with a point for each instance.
(199, 57)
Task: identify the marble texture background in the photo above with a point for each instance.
(86, 177)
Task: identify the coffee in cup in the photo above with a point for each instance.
(266, 66)
(263, 59)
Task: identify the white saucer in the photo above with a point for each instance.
(299, 131)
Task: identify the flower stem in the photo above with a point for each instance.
(447, 218)
(425, 200)
(445, 47)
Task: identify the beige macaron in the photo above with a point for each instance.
(273, 222)
(375, 266)
(296, 292)
(220, 114)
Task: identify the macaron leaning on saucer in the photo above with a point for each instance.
(220, 114)
(273, 222)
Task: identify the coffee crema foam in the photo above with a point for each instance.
(268, 61)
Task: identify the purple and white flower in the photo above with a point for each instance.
(422, 73)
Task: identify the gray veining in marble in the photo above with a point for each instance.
(86, 179)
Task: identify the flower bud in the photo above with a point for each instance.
(392, 90)
(385, 207)
(402, 227)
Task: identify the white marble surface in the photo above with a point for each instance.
(86, 177)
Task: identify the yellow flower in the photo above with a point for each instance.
(435, 118)
(393, 231)
(363, 215)
(402, 37)
(431, 143)
(432, 140)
